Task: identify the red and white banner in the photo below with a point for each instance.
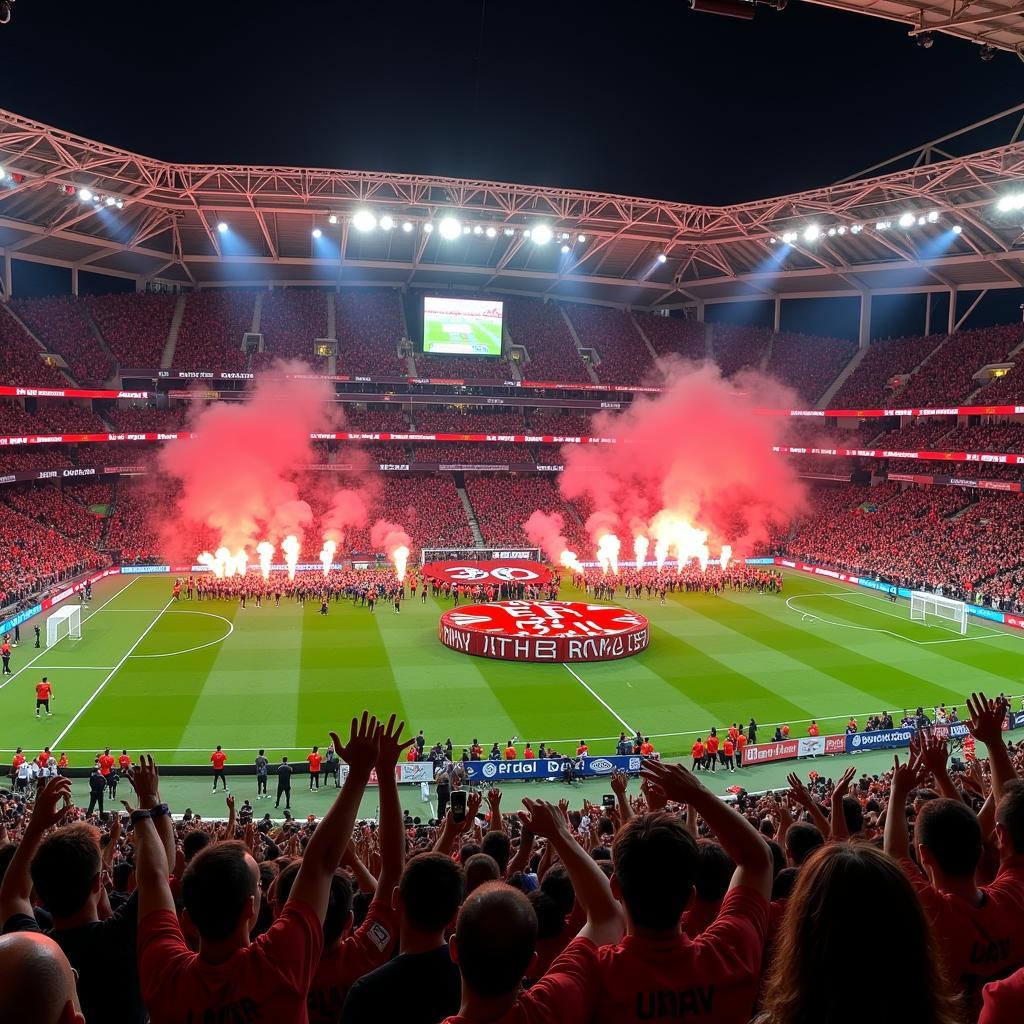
(19, 391)
(552, 631)
(791, 749)
(949, 410)
(11, 441)
(994, 458)
(488, 573)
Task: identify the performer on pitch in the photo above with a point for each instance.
(5, 655)
(44, 693)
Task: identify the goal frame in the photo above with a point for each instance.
(924, 605)
(72, 616)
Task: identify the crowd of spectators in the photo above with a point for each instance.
(145, 419)
(20, 357)
(559, 423)
(870, 384)
(665, 896)
(134, 325)
(456, 421)
(461, 367)
(502, 504)
(290, 320)
(623, 356)
(375, 421)
(948, 376)
(674, 335)
(807, 363)
(62, 324)
(50, 505)
(1002, 436)
(70, 418)
(211, 329)
(45, 456)
(739, 347)
(369, 326)
(542, 330)
(472, 453)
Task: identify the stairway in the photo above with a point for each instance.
(331, 316)
(66, 373)
(172, 333)
(591, 372)
(478, 537)
(823, 402)
(643, 337)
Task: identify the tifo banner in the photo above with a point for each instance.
(489, 573)
(550, 767)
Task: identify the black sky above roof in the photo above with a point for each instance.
(649, 100)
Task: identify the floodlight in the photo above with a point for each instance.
(1013, 201)
(581, 238)
(841, 230)
(957, 229)
(428, 228)
(526, 232)
(109, 200)
(477, 229)
(222, 226)
(363, 220)
(772, 240)
(85, 195)
(811, 232)
(3, 174)
(509, 232)
(333, 219)
(662, 258)
(542, 234)
(565, 249)
(907, 220)
(407, 226)
(932, 217)
(119, 203)
(883, 225)
(491, 232)
(386, 222)
(450, 228)
(317, 232)
(831, 232)
(857, 229)
(465, 229)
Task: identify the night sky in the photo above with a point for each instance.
(646, 99)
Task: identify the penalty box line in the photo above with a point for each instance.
(599, 699)
(46, 650)
(113, 672)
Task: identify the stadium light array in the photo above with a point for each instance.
(856, 229)
(85, 195)
(491, 232)
(466, 229)
(906, 220)
(811, 233)
(3, 174)
(222, 226)
(509, 232)
(541, 234)
(957, 229)
(387, 222)
(1011, 203)
(450, 228)
(363, 220)
(581, 239)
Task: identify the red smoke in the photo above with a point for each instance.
(545, 530)
(348, 510)
(696, 450)
(385, 536)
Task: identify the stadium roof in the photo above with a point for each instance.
(167, 227)
(997, 23)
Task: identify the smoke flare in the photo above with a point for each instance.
(394, 541)
(265, 553)
(640, 545)
(327, 555)
(725, 557)
(290, 547)
(608, 546)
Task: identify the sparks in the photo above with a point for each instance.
(725, 557)
(570, 561)
(640, 546)
(608, 552)
(290, 547)
(400, 556)
(327, 555)
(265, 551)
(678, 534)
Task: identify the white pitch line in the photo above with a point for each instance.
(113, 672)
(75, 668)
(598, 698)
(46, 650)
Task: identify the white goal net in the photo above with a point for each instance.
(64, 622)
(925, 606)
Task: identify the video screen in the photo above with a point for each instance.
(461, 327)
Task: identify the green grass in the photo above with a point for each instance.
(480, 339)
(178, 678)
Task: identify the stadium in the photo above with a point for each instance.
(685, 538)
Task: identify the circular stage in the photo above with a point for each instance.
(568, 631)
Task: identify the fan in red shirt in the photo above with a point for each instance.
(528, 752)
(124, 761)
(812, 729)
(582, 749)
(218, 759)
(314, 758)
(105, 762)
(510, 752)
(698, 755)
(44, 757)
(17, 761)
(231, 978)
(647, 747)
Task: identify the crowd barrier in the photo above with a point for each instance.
(549, 768)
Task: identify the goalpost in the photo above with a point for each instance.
(924, 606)
(64, 622)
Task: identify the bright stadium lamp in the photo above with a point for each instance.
(110, 200)
(662, 258)
(811, 232)
(1011, 202)
(407, 226)
(222, 226)
(541, 234)
(857, 229)
(491, 232)
(957, 229)
(428, 228)
(565, 249)
(581, 239)
(387, 222)
(85, 195)
(3, 174)
(933, 216)
(509, 232)
(450, 228)
(333, 219)
(317, 232)
(363, 220)
(477, 229)
(907, 220)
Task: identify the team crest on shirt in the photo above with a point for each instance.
(379, 936)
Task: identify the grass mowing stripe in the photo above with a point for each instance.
(599, 699)
(99, 689)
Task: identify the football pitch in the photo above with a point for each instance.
(177, 678)
(461, 334)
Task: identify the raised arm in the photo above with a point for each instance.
(904, 778)
(740, 840)
(840, 830)
(326, 845)
(151, 867)
(986, 724)
(605, 923)
(52, 800)
(620, 780)
(494, 802)
(934, 756)
(145, 780)
(391, 827)
(802, 796)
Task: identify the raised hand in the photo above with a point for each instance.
(933, 753)
(986, 721)
(843, 785)
(473, 802)
(620, 780)
(52, 801)
(654, 796)
(230, 801)
(360, 753)
(494, 796)
(904, 776)
(563, 809)
(391, 745)
(145, 780)
(541, 818)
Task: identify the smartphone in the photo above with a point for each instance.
(458, 804)
(608, 800)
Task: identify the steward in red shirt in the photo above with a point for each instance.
(231, 978)
(510, 752)
(812, 729)
(105, 762)
(528, 752)
(698, 755)
(313, 757)
(218, 759)
(124, 761)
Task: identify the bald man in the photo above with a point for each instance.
(36, 981)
